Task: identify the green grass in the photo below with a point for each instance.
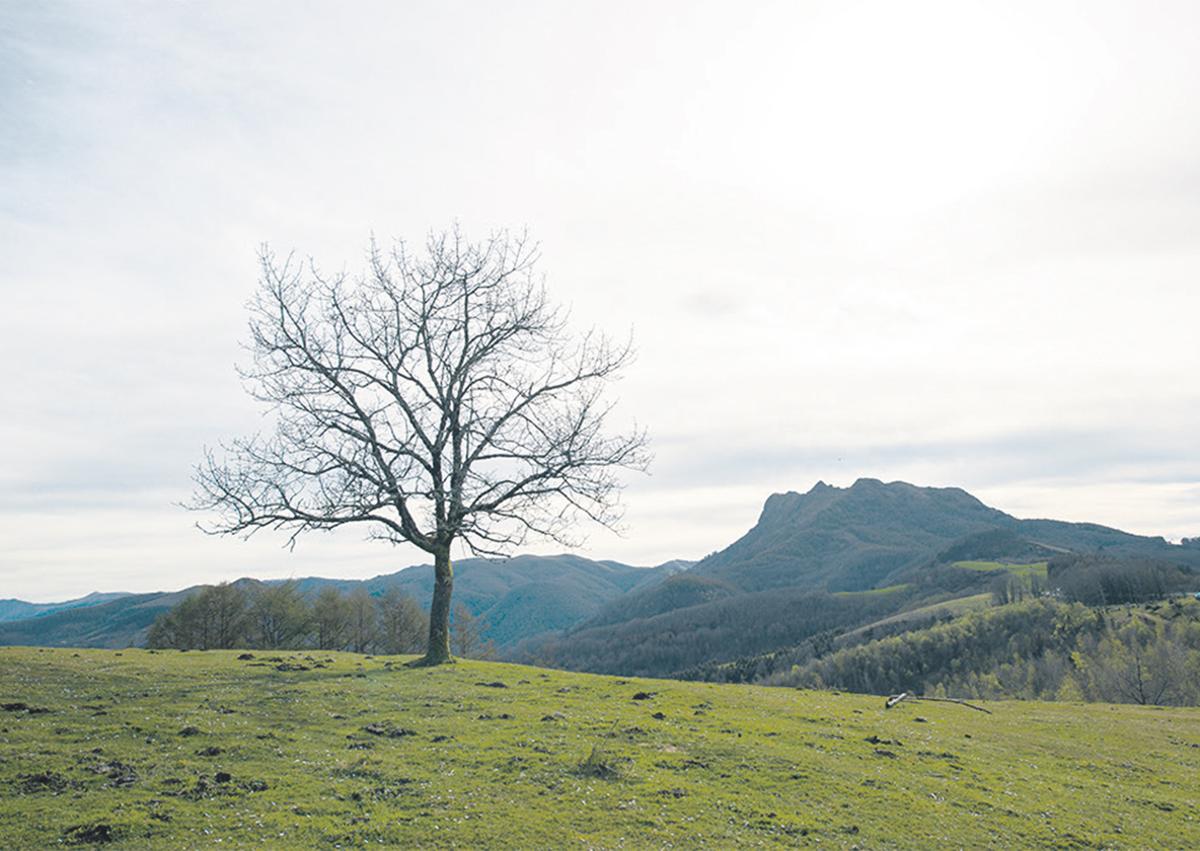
(956, 606)
(1037, 569)
(364, 751)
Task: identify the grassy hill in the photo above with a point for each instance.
(140, 749)
(1032, 569)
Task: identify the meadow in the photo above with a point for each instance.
(169, 749)
(1024, 570)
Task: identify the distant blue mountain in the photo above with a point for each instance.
(16, 610)
(519, 598)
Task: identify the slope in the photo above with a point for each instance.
(1035, 649)
(173, 750)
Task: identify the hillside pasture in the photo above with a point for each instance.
(1022, 570)
(143, 749)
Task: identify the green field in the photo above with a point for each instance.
(1035, 569)
(167, 750)
(956, 606)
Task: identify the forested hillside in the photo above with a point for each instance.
(1036, 650)
(118, 623)
(673, 641)
(847, 539)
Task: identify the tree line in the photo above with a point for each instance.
(1100, 580)
(279, 616)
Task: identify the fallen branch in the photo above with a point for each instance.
(895, 699)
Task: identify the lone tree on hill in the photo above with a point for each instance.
(435, 399)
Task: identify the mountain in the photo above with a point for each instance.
(852, 539)
(524, 596)
(847, 539)
(519, 598)
(827, 561)
(856, 538)
(15, 610)
(122, 622)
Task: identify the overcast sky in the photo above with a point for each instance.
(952, 243)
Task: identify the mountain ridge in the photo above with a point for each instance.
(570, 588)
(849, 539)
(12, 609)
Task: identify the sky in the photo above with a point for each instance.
(952, 243)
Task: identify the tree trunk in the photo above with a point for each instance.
(438, 651)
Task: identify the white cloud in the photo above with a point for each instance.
(949, 242)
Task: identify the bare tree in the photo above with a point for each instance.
(402, 623)
(466, 632)
(214, 618)
(364, 625)
(279, 616)
(330, 619)
(435, 399)
(1142, 663)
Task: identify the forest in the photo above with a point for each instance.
(722, 629)
(1091, 627)
(1038, 649)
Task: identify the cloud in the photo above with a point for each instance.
(948, 243)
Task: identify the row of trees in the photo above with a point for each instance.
(1098, 580)
(279, 617)
(1010, 588)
